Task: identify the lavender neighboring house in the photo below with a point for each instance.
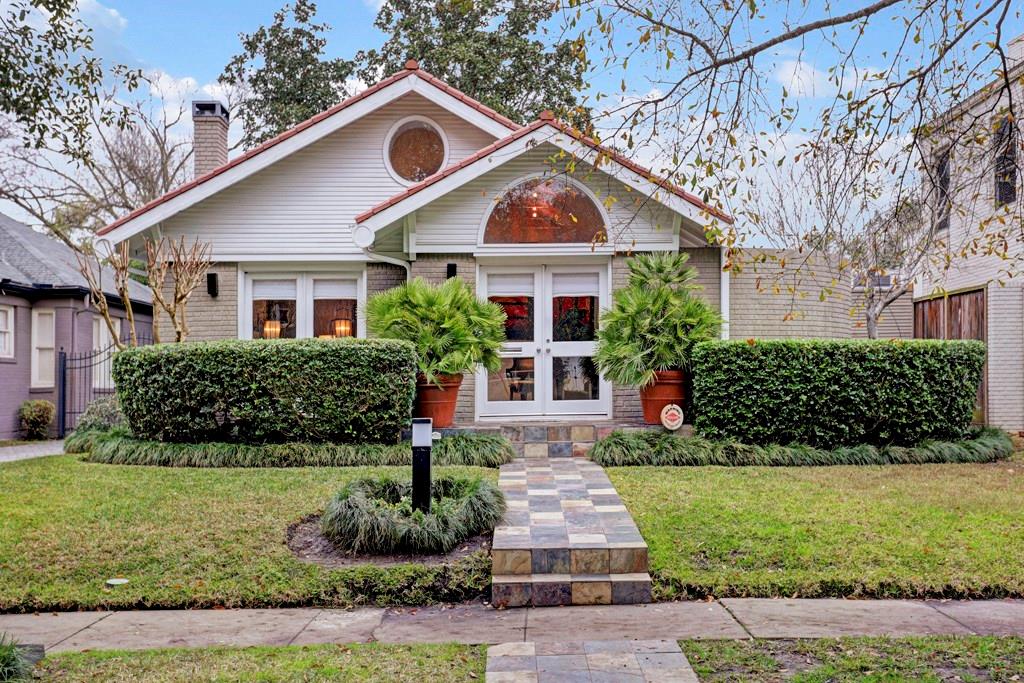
(45, 307)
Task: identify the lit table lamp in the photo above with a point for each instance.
(272, 329)
(342, 328)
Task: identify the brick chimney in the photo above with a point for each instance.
(210, 136)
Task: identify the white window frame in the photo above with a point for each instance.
(303, 294)
(37, 346)
(386, 152)
(7, 347)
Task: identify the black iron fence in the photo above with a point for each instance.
(81, 379)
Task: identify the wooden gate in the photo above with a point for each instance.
(956, 316)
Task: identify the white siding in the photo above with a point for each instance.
(452, 222)
(305, 204)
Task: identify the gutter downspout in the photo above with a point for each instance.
(725, 276)
(389, 259)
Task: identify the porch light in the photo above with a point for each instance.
(272, 329)
(341, 327)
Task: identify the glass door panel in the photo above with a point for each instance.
(514, 388)
(574, 295)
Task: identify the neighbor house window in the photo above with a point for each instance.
(302, 305)
(415, 149)
(43, 356)
(1006, 162)
(6, 331)
(274, 309)
(545, 211)
(942, 198)
(103, 351)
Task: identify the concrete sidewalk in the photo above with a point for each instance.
(36, 449)
(480, 624)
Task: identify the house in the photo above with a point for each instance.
(45, 309)
(974, 290)
(412, 178)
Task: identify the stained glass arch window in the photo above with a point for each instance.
(545, 211)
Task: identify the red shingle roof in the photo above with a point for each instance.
(411, 68)
(547, 119)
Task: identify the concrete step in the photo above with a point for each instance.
(552, 590)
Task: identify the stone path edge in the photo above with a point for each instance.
(477, 624)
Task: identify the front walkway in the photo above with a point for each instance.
(476, 624)
(566, 539)
(36, 449)
(614, 661)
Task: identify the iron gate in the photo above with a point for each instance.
(81, 379)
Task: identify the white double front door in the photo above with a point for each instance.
(547, 364)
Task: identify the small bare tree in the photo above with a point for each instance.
(185, 263)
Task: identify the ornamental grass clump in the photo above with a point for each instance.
(14, 666)
(375, 515)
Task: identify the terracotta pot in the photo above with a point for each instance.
(437, 402)
(666, 388)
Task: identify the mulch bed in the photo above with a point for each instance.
(309, 545)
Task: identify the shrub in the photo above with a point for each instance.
(36, 417)
(311, 390)
(14, 666)
(453, 331)
(650, 447)
(119, 448)
(375, 515)
(653, 322)
(103, 414)
(829, 393)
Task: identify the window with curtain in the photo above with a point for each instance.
(274, 309)
(334, 308)
(43, 355)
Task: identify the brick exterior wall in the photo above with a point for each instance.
(209, 318)
(434, 269)
(1005, 366)
(381, 277)
(769, 302)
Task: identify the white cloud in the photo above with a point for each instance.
(802, 79)
(97, 15)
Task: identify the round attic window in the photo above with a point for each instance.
(415, 149)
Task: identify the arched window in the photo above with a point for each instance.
(544, 211)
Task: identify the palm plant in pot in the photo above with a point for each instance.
(647, 335)
(453, 332)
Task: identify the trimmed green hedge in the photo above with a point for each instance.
(830, 393)
(118, 447)
(649, 447)
(311, 390)
(375, 515)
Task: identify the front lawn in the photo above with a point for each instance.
(190, 538)
(893, 531)
(858, 659)
(355, 662)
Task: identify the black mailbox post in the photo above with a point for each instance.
(422, 440)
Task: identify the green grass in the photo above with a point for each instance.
(859, 659)
(15, 442)
(118, 447)
(190, 538)
(355, 662)
(871, 531)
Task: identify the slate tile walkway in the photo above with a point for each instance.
(567, 538)
(596, 661)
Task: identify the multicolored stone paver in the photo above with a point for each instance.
(566, 539)
(611, 661)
